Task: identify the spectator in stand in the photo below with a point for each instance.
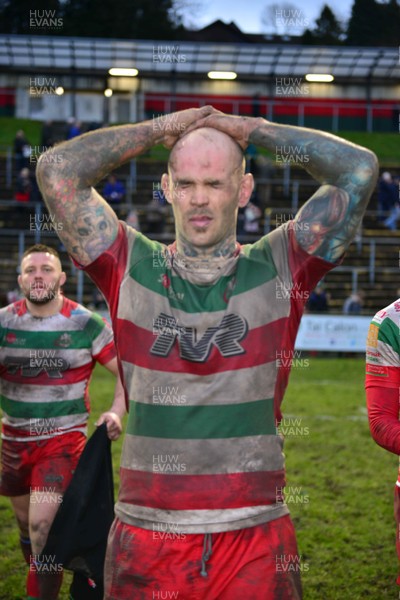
(24, 186)
(74, 128)
(252, 216)
(114, 191)
(13, 296)
(47, 140)
(98, 301)
(388, 201)
(318, 301)
(156, 212)
(353, 305)
(132, 219)
(93, 125)
(26, 189)
(22, 150)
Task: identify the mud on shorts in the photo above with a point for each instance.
(42, 466)
(257, 563)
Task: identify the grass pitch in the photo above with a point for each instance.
(339, 487)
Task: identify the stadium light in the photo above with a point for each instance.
(222, 75)
(118, 72)
(319, 77)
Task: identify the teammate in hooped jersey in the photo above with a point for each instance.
(382, 384)
(205, 320)
(49, 346)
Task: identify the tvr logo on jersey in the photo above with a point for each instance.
(225, 336)
(36, 363)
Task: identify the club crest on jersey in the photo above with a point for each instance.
(225, 337)
(64, 341)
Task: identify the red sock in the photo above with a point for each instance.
(32, 584)
(48, 577)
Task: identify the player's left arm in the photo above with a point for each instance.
(327, 223)
(113, 416)
(347, 174)
(382, 381)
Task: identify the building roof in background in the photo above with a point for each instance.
(36, 54)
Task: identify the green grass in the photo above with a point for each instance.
(346, 531)
(385, 145)
(342, 509)
(9, 127)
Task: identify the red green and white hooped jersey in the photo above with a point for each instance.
(383, 348)
(383, 374)
(45, 369)
(203, 373)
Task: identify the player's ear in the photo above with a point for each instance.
(165, 187)
(19, 279)
(63, 278)
(246, 189)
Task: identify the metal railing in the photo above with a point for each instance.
(273, 108)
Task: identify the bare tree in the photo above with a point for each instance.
(186, 12)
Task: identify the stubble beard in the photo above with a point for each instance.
(48, 296)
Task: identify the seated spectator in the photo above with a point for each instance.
(13, 295)
(98, 301)
(132, 219)
(93, 125)
(47, 139)
(74, 128)
(388, 201)
(22, 150)
(24, 186)
(114, 190)
(318, 300)
(156, 212)
(354, 303)
(252, 216)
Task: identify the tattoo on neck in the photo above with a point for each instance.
(224, 249)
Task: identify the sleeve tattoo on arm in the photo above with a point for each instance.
(347, 173)
(86, 224)
(328, 222)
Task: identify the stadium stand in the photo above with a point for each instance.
(270, 83)
(371, 262)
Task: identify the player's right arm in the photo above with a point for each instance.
(67, 174)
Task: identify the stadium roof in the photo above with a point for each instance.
(20, 53)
